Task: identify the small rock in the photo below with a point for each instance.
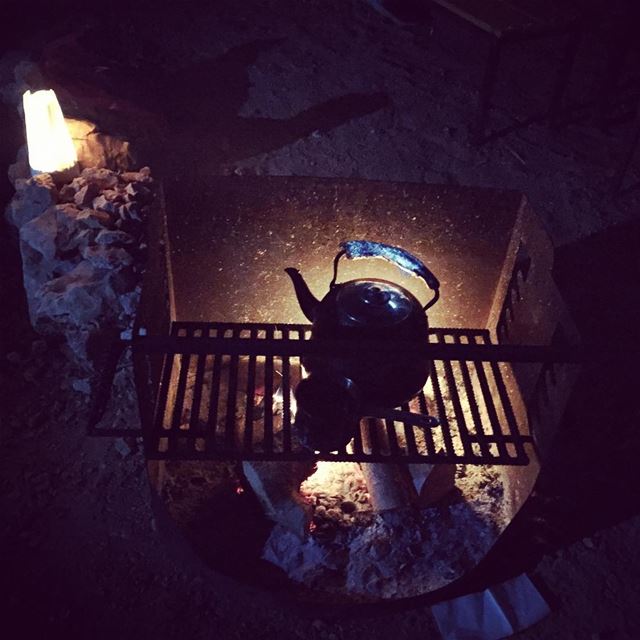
(104, 257)
(85, 238)
(106, 237)
(122, 447)
(94, 219)
(82, 385)
(130, 211)
(103, 178)
(129, 302)
(67, 193)
(76, 298)
(86, 194)
(33, 197)
(138, 192)
(134, 176)
(102, 203)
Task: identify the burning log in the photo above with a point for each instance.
(432, 481)
(393, 486)
(390, 486)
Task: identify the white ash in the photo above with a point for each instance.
(394, 554)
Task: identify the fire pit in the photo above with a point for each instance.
(411, 503)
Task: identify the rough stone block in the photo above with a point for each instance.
(33, 197)
(85, 196)
(107, 257)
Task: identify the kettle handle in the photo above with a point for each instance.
(401, 258)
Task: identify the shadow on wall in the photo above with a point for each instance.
(191, 109)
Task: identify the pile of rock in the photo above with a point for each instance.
(83, 247)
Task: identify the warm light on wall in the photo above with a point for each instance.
(50, 145)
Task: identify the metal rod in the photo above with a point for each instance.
(506, 403)
(194, 422)
(250, 407)
(392, 437)
(214, 397)
(409, 435)
(473, 404)
(461, 422)
(357, 440)
(268, 395)
(372, 432)
(286, 400)
(232, 392)
(178, 404)
(492, 413)
(442, 412)
(471, 352)
(341, 456)
(428, 435)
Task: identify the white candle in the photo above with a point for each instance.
(50, 145)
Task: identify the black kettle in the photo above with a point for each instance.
(340, 389)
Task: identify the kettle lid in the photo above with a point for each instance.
(373, 303)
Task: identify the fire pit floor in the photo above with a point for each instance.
(361, 555)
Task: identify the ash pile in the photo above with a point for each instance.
(379, 531)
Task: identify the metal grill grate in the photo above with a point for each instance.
(227, 393)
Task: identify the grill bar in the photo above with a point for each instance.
(483, 352)
(477, 424)
(230, 421)
(194, 422)
(212, 420)
(268, 395)
(286, 400)
(250, 406)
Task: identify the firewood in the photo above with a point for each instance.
(390, 485)
(276, 485)
(432, 481)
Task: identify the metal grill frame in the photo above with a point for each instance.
(499, 439)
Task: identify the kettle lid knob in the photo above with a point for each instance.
(374, 303)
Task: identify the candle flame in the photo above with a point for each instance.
(49, 142)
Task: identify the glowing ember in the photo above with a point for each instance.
(50, 145)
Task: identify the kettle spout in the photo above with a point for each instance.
(306, 299)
